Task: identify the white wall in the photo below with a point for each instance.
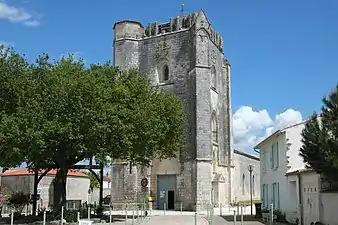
(241, 167)
(310, 197)
(106, 184)
(293, 210)
(289, 143)
(329, 203)
(294, 143)
(274, 175)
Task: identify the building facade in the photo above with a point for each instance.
(279, 155)
(95, 193)
(317, 203)
(184, 56)
(22, 180)
(243, 164)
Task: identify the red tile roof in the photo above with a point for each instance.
(22, 172)
(106, 178)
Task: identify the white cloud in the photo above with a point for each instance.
(251, 127)
(32, 23)
(16, 15)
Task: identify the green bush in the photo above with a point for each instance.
(69, 215)
(281, 217)
(17, 201)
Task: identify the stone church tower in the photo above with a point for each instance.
(184, 56)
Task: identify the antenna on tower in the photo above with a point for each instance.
(182, 9)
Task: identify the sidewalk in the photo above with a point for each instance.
(174, 220)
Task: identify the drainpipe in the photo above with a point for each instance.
(300, 199)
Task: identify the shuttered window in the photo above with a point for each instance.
(272, 157)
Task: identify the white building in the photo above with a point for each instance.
(106, 182)
(279, 154)
(241, 177)
(306, 196)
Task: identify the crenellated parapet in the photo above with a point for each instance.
(128, 29)
(181, 23)
(217, 39)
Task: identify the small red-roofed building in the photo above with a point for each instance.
(22, 180)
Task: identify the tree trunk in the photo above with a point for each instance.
(60, 182)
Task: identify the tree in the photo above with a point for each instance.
(94, 183)
(319, 137)
(60, 113)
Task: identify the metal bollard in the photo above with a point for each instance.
(78, 216)
(181, 207)
(88, 212)
(195, 218)
(220, 209)
(141, 211)
(235, 217)
(110, 216)
(133, 217)
(126, 219)
(271, 215)
(44, 218)
(208, 213)
(62, 214)
(137, 214)
(242, 215)
(12, 217)
(212, 214)
(164, 207)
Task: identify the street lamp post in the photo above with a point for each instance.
(250, 169)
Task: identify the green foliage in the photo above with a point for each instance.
(3, 196)
(319, 137)
(56, 114)
(18, 200)
(69, 215)
(94, 183)
(281, 217)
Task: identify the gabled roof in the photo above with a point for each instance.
(218, 178)
(246, 155)
(203, 16)
(277, 132)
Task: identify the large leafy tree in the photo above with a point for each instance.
(56, 114)
(320, 138)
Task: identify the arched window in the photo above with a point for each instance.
(213, 78)
(165, 73)
(243, 184)
(214, 140)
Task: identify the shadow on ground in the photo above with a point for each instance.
(238, 218)
(38, 220)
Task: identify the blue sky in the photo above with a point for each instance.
(283, 54)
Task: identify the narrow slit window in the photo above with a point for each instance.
(165, 73)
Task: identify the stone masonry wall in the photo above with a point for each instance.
(189, 49)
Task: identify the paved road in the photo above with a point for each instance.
(221, 221)
(174, 220)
